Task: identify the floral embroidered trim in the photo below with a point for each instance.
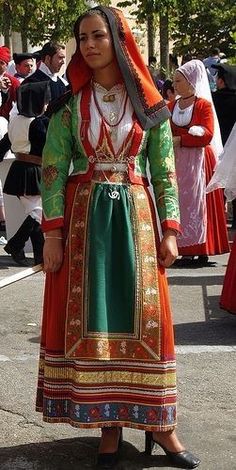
(49, 175)
(66, 118)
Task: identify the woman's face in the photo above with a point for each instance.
(181, 85)
(95, 42)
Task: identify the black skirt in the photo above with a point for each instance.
(23, 179)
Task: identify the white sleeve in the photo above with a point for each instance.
(13, 112)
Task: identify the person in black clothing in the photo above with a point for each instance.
(27, 134)
(225, 105)
(24, 65)
(225, 98)
(52, 60)
(168, 91)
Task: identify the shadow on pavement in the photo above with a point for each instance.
(7, 262)
(194, 265)
(35, 340)
(219, 327)
(211, 303)
(74, 454)
(203, 280)
(209, 333)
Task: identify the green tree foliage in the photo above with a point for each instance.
(41, 20)
(155, 13)
(194, 25)
(203, 25)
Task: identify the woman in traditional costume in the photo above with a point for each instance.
(107, 349)
(225, 177)
(197, 145)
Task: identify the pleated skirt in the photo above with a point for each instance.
(228, 295)
(216, 232)
(107, 349)
(23, 179)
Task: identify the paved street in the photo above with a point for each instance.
(206, 350)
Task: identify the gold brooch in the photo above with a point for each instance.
(109, 98)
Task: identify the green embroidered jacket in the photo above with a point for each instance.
(64, 152)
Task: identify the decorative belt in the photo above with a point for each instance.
(29, 158)
(111, 172)
(113, 167)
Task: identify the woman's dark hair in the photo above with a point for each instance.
(167, 85)
(186, 58)
(152, 60)
(221, 73)
(87, 14)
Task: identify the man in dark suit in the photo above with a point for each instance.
(52, 60)
(225, 98)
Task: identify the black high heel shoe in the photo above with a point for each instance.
(183, 459)
(107, 461)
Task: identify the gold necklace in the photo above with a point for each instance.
(109, 98)
(112, 114)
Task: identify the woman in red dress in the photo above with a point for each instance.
(107, 350)
(225, 177)
(197, 144)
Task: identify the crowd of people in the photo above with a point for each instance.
(86, 154)
(217, 116)
(25, 111)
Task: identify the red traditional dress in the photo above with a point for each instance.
(228, 295)
(107, 348)
(225, 177)
(9, 97)
(202, 216)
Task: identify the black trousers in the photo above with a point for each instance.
(30, 228)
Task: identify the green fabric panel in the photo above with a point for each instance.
(62, 149)
(162, 168)
(111, 276)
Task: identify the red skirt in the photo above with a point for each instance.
(93, 379)
(228, 296)
(216, 236)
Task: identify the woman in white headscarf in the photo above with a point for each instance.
(197, 145)
(225, 177)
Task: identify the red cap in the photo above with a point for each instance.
(5, 54)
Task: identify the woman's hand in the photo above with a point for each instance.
(168, 249)
(52, 251)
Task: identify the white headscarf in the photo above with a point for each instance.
(195, 73)
(225, 174)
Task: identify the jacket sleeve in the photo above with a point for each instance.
(5, 145)
(57, 155)
(205, 119)
(163, 178)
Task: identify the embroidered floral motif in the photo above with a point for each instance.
(171, 175)
(49, 175)
(141, 416)
(66, 118)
